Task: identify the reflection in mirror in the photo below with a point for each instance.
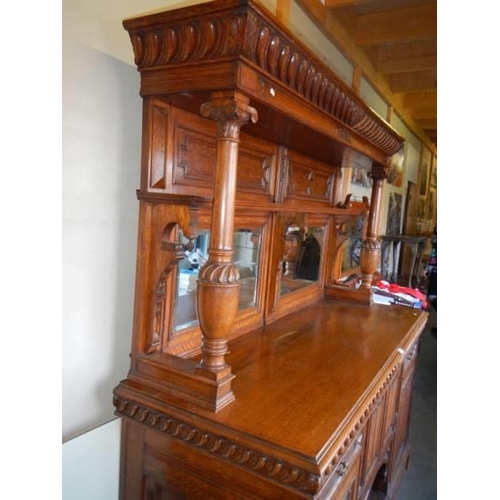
(351, 249)
(196, 254)
(302, 257)
(246, 245)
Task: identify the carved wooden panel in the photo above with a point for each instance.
(373, 445)
(155, 145)
(256, 167)
(391, 401)
(193, 163)
(404, 408)
(308, 179)
(154, 489)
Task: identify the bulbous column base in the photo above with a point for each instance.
(217, 305)
(370, 258)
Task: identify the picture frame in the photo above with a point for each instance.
(359, 176)
(431, 204)
(433, 177)
(394, 214)
(359, 166)
(421, 210)
(425, 163)
(396, 168)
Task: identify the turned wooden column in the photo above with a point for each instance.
(218, 283)
(370, 250)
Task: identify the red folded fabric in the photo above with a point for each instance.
(395, 288)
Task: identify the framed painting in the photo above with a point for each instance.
(360, 167)
(421, 211)
(396, 168)
(433, 180)
(425, 163)
(359, 176)
(394, 214)
(431, 204)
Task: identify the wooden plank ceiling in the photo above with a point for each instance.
(399, 39)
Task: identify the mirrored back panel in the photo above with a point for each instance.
(247, 247)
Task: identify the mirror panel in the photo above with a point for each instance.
(246, 245)
(302, 257)
(351, 249)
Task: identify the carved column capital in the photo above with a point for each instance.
(379, 172)
(230, 110)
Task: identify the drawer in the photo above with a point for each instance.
(410, 357)
(345, 477)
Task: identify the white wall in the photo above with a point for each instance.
(101, 130)
(101, 147)
(91, 464)
(372, 98)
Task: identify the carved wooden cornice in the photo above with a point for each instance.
(242, 31)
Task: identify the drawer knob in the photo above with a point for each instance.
(343, 468)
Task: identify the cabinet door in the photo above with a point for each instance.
(373, 444)
(404, 406)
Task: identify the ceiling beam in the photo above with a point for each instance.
(408, 64)
(411, 82)
(432, 133)
(424, 114)
(406, 50)
(420, 99)
(329, 25)
(335, 4)
(404, 57)
(429, 124)
(283, 10)
(399, 25)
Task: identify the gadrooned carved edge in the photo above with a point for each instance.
(223, 448)
(360, 421)
(371, 245)
(244, 32)
(215, 272)
(280, 56)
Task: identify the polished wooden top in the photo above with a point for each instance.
(302, 382)
(328, 354)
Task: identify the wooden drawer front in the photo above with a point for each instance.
(343, 482)
(410, 358)
(348, 487)
(256, 169)
(308, 179)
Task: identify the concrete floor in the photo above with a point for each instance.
(420, 480)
